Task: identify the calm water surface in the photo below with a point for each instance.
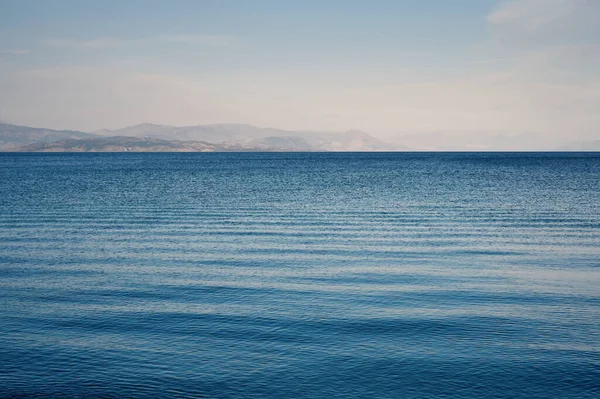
(263, 275)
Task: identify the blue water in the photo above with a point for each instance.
(266, 275)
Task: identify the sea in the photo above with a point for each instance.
(300, 275)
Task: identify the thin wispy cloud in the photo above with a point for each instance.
(203, 40)
(15, 52)
(113, 42)
(531, 14)
(491, 61)
(97, 43)
(542, 22)
(549, 36)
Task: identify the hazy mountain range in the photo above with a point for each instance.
(148, 138)
(13, 136)
(134, 144)
(247, 135)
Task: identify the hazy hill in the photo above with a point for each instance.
(250, 135)
(297, 143)
(227, 137)
(212, 133)
(137, 144)
(12, 136)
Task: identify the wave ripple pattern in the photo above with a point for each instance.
(300, 275)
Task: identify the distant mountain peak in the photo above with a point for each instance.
(357, 133)
(12, 136)
(148, 125)
(234, 135)
(244, 134)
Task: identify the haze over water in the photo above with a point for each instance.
(300, 275)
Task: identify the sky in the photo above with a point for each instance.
(401, 70)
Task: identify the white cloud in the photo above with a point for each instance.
(531, 14)
(536, 23)
(554, 52)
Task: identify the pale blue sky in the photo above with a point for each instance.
(275, 34)
(388, 67)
